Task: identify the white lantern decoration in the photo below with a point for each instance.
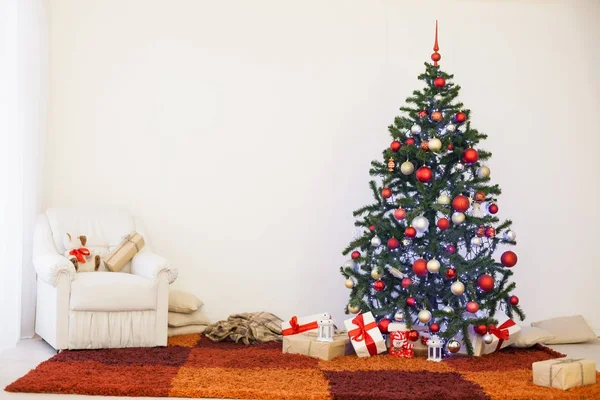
(458, 218)
(420, 223)
(434, 348)
(433, 266)
(325, 330)
(415, 129)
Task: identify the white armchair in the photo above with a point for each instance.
(90, 310)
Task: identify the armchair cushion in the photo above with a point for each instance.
(50, 267)
(150, 266)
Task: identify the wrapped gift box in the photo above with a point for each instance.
(400, 346)
(564, 373)
(124, 252)
(505, 334)
(365, 335)
(307, 344)
(298, 325)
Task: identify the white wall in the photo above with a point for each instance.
(243, 131)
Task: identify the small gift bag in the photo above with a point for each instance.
(124, 252)
(365, 335)
(564, 373)
(298, 325)
(400, 346)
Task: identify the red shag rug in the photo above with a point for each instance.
(193, 366)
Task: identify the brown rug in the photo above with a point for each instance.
(192, 366)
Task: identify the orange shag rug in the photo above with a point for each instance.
(193, 366)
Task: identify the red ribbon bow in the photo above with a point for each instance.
(80, 254)
(362, 333)
(297, 328)
(501, 332)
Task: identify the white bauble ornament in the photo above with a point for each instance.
(407, 168)
(415, 129)
(405, 242)
(424, 316)
(447, 309)
(438, 97)
(399, 316)
(450, 128)
(351, 264)
(433, 266)
(420, 223)
(434, 144)
(487, 338)
(457, 288)
(353, 309)
(376, 242)
(483, 171)
(376, 273)
(459, 166)
(444, 199)
(476, 241)
(349, 283)
(458, 218)
(510, 236)
(408, 134)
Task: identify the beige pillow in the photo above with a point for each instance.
(195, 318)
(183, 302)
(530, 336)
(567, 329)
(186, 330)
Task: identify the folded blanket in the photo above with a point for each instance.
(257, 327)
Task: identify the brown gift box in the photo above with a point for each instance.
(307, 344)
(124, 252)
(564, 373)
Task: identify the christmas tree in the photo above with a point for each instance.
(426, 254)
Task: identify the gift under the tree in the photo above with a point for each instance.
(365, 335)
(419, 346)
(400, 346)
(564, 373)
(503, 335)
(298, 325)
(308, 345)
(124, 252)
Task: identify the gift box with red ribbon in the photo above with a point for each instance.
(400, 346)
(506, 333)
(296, 325)
(364, 335)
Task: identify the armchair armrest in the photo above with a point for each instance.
(51, 266)
(150, 265)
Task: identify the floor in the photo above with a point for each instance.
(16, 362)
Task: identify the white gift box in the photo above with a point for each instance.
(296, 325)
(365, 336)
(506, 333)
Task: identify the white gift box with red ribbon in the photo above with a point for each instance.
(296, 325)
(364, 335)
(506, 333)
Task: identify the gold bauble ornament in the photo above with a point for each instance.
(424, 316)
(435, 144)
(483, 171)
(453, 346)
(407, 168)
(353, 309)
(391, 165)
(444, 199)
(349, 283)
(376, 273)
(457, 288)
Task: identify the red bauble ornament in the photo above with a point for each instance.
(393, 243)
(481, 329)
(450, 147)
(422, 113)
(400, 213)
(461, 203)
(425, 145)
(451, 273)
(413, 335)
(451, 249)
(384, 324)
(434, 328)
(395, 145)
(480, 231)
(420, 267)
(470, 156)
(509, 259)
(424, 174)
(409, 141)
(355, 254)
(493, 208)
(460, 117)
(411, 301)
(379, 285)
(490, 232)
(513, 300)
(485, 282)
(472, 307)
(439, 82)
(406, 282)
(386, 193)
(436, 116)
(424, 340)
(443, 224)
(372, 228)
(479, 196)
(436, 57)
(410, 232)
